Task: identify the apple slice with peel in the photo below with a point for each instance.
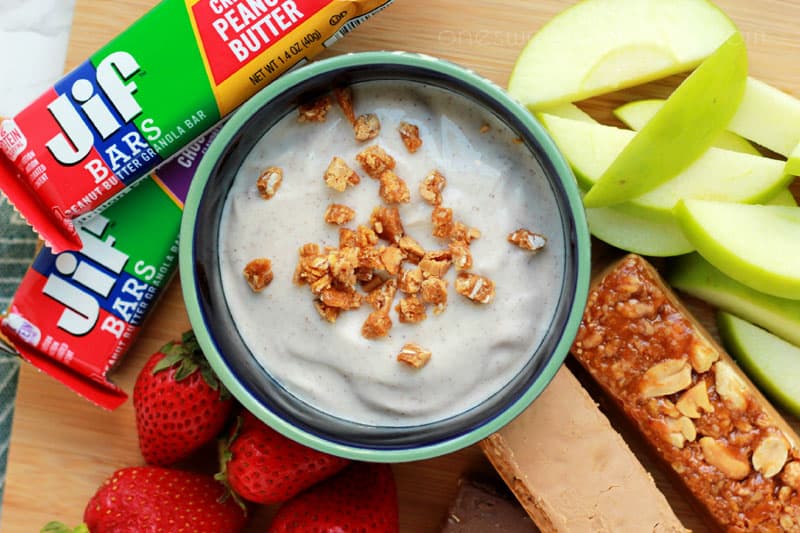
(681, 131)
(626, 231)
(772, 363)
(640, 235)
(793, 163)
(784, 197)
(695, 276)
(758, 245)
(768, 116)
(639, 112)
(599, 46)
(570, 111)
(652, 236)
(719, 174)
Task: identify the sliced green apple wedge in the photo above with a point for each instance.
(769, 117)
(639, 112)
(793, 163)
(719, 174)
(640, 235)
(599, 46)
(695, 276)
(681, 131)
(772, 363)
(570, 111)
(758, 245)
(785, 198)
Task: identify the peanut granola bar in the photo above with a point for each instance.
(734, 453)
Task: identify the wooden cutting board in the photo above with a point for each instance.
(62, 447)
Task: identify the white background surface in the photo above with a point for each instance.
(33, 46)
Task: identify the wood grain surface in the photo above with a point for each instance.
(62, 447)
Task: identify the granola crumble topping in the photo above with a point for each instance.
(344, 97)
(527, 240)
(366, 127)
(479, 289)
(393, 189)
(269, 182)
(339, 175)
(258, 273)
(432, 186)
(414, 355)
(442, 220)
(409, 133)
(316, 111)
(374, 160)
(339, 214)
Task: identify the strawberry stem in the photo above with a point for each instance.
(188, 355)
(225, 455)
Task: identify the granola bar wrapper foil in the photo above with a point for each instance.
(77, 312)
(148, 93)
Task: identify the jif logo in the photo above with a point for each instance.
(76, 139)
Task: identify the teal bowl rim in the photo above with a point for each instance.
(189, 280)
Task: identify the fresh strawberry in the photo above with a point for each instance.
(261, 465)
(161, 500)
(362, 497)
(180, 404)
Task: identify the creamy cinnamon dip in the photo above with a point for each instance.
(493, 184)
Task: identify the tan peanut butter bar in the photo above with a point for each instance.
(736, 456)
(572, 472)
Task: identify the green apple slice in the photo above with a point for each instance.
(695, 276)
(719, 174)
(639, 112)
(640, 235)
(685, 126)
(772, 363)
(784, 197)
(570, 111)
(599, 46)
(769, 117)
(793, 164)
(758, 245)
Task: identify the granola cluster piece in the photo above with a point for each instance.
(258, 273)
(367, 127)
(375, 161)
(269, 182)
(393, 189)
(344, 97)
(434, 292)
(442, 220)
(411, 309)
(477, 288)
(409, 133)
(339, 175)
(414, 355)
(331, 276)
(527, 240)
(387, 224)
(316, 111)
(431, 187)
(339, 214)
